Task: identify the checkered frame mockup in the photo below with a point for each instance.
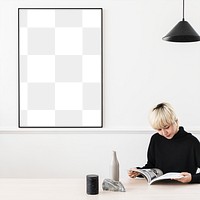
(60, 67)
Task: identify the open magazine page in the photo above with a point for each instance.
(149, 174)
(168, 176)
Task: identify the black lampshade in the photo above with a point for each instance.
(182, 32)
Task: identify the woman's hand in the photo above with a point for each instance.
(187, 177)
(133, 173)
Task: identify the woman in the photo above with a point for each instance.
(172, 149)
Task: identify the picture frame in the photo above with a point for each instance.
(60, 67)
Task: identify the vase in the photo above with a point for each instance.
(114, 167)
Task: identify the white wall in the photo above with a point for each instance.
(140, 70)
(43, 155)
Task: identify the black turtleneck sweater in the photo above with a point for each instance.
(179, 154)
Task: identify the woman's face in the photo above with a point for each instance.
(169, 131)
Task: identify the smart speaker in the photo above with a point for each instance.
(92, 184)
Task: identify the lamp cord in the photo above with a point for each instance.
(183, 10)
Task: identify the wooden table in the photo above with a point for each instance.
(75, 189)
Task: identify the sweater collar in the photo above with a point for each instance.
(181, 133)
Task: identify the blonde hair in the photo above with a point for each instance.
(162, 115)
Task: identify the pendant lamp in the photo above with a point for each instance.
(182, 32)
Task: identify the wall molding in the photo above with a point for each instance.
(83, 131)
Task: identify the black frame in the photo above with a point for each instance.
(19, 109)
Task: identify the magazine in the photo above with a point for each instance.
(154, 174)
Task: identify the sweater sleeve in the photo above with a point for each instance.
(196, 177)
